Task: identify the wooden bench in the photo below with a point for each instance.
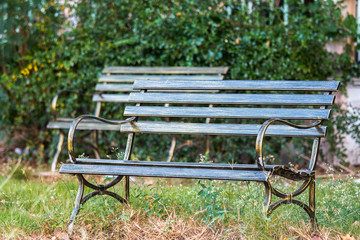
(269, 103)
(114, 87)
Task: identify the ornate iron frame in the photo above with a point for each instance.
(308, 176)
(98, 189)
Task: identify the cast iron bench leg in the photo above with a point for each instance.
(288, 198)
(98, 190)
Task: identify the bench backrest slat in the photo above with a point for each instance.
(239, 85)
(115, 98)
(113, 87)
(219, 129)
(132, 78)
(216, 112)
(128, 88)
(222, 98)
(165, 70)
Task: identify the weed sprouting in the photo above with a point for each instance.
(116, 154)
(83, 155)
(212, 210)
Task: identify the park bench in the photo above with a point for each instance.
(114, 86)
(271, 104)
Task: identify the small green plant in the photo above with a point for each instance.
(204, 158)
(116, 154)
(83, 155)
(212, 210)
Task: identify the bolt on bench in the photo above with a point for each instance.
(276, 104)
(115, 86)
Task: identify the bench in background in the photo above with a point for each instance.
(114, 87)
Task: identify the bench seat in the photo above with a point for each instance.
(142, 166)
(167, 171)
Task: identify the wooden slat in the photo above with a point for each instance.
(249, 113)
(249, 167)
(258, 99)
(238, 85)
(114, 87)
(219, 129)
(166, 172)
(132, 78)
(193, 128)
(90, 125)
(165, 70)
(118, 98)
(128, 88)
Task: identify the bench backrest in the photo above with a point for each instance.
(244, 100)
(117, 84)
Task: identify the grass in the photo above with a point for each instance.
(34, 208)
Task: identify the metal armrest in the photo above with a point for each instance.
(55, 112)
(261, 135)
(76, 122)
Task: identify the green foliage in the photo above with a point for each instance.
(61, 52)
(213, 210)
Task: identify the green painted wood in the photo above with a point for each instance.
(132, 78)
(222, 112)
(219, 129)
(258, 99)
(166, 172)
(238, 85)
(165, 70)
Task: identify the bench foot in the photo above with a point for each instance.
(76, 209)
(288, 198)
(99, 190)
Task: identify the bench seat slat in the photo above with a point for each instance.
(239, 85)
(166, 172)
(219, 129)
(165, 70)
(132, 78)
(280, 170)
(221, 98)
(249, 167)
(217, 112)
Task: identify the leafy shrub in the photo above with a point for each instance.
(69, 52)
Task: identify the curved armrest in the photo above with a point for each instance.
(55, 112)
(76, 122)
(261, 135)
